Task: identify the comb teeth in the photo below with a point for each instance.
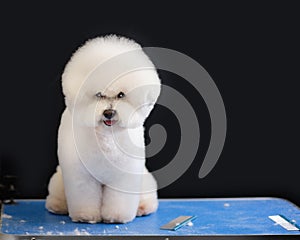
(177, 223)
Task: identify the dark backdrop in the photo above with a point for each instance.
(250, 48)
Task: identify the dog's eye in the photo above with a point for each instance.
(121, 95)
(98, 95)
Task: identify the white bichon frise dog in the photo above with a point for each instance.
(110, 88)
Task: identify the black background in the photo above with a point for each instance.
(250, 49)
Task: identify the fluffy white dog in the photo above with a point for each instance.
(110, 87)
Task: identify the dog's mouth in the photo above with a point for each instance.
(109, 122)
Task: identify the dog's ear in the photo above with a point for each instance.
(151, 98)
(153, 94)
(71, 85)
(69, 92)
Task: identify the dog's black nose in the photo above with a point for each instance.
(109, 113)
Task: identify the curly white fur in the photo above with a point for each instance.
(101, 174)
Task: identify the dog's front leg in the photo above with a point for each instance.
(83, 194)
(117, 206)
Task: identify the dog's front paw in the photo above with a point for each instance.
(86, 216)
(115, 215)
(147, 206)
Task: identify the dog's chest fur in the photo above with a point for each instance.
(106, 143)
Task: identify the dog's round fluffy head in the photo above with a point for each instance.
(110, 81)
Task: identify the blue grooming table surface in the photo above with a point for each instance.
(218, 218)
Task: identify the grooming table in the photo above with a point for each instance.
(226, 218)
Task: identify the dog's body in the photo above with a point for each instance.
(102, 174)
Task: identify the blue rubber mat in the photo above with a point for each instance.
(240, 216)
